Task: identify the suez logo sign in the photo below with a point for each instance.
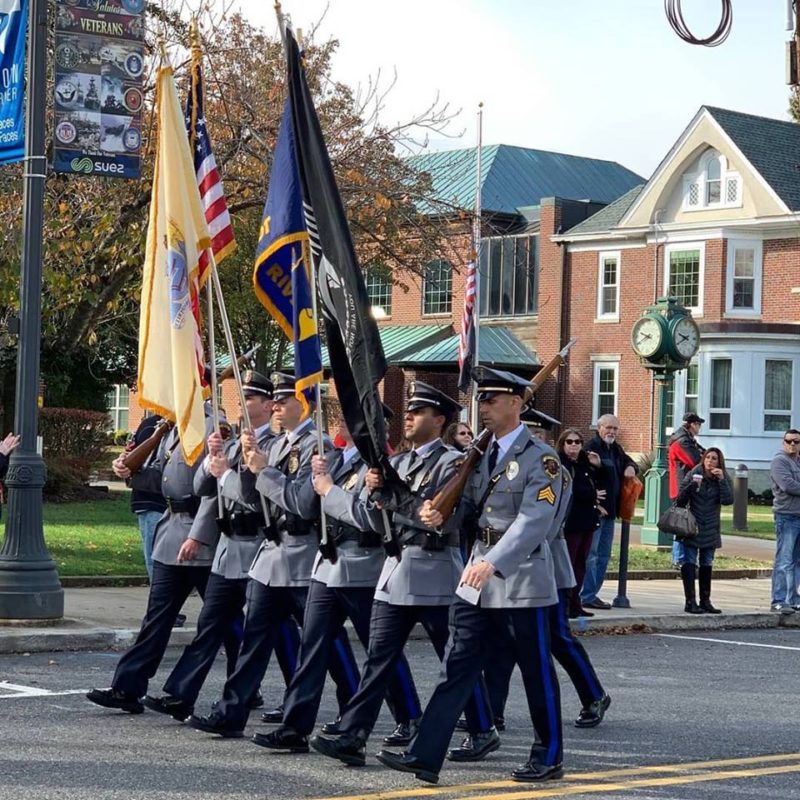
(87, 166)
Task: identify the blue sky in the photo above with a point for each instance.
(604, 79)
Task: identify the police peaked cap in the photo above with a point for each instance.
(284, 385)
(257, 384)
(530, 416)
(422, 394)
(492, 382)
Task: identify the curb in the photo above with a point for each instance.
(663, 623)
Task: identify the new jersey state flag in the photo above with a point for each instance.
(282, 273)
(170, 348)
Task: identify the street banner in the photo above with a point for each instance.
(171, 363)
(13, 24)
(282, 273)
(99, 65)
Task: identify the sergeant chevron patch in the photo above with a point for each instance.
(547, 494)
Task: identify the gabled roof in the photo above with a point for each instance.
(772, 146)
(514, 177)
(498, 347)
(608, 217)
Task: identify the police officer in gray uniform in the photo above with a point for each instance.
(418, 587)
(242, 529)
(509, 580)
(184, 542)
(339, 591)
(281, 571)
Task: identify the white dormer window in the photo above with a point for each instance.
(713, 185)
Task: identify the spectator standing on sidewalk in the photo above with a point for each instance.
(704, 491)
(618, 465)
(784, 474)
(684, 454)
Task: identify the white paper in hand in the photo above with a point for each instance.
(468, 593)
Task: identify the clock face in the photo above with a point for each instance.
(686, 336)
(646, 336)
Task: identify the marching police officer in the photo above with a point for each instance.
(281, 571)
(417, 587)
(339, 591)
(183, 550)
(509, 581)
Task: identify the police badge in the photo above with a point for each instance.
(294, 460)
(351, 482)
(512, 470)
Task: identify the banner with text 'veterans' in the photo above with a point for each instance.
(13, 24)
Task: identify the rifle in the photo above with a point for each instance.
(135, 459)
(446, 499)
(243, 359)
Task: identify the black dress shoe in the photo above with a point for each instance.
(597, 603)
(475, 747)
(180, 621)
(256, 701)
(499, 724)
(402, 734)
(532, 772)
(331, 728)
(274, 716)
(592, 715)
(167, 704)
(110, 698)
(403, 762)
(282, 739)
(215, 722)
(461, 725)
(345, 747)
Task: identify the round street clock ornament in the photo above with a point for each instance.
(665, 337)
(685, 338)
(647, 336)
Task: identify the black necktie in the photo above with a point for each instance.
(493, 453)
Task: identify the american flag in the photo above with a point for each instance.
(466, 343)
(208, 177)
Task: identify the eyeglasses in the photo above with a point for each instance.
(573, 441)
(792, 441)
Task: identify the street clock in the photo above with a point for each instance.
(665, 337)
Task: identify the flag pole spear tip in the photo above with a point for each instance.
(163, 50)
(194, 33)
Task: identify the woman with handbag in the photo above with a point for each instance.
(583, 518)
(704, 490)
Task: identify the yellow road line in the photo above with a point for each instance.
(432, 791)
(644, 783)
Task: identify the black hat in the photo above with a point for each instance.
(255, 383)
(691, 418)
(492, 382)
(387, 412)
(284, 385)
(538, 419)
(421, 394)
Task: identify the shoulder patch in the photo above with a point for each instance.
(459, 461)
(547, 494)
(552, 467)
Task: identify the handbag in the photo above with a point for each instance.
(678, 521)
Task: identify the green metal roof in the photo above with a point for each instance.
(514, 177)
(608, 217)
(498, 346)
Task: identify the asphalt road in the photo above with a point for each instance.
(699, 716)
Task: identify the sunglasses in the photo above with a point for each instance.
(792, 441)
(573, 441)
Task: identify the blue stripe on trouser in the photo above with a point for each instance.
(577, 656)
(291, 652)
(347, 666)
(412, 705)
(547, 681)
(237, 629)
(481, 705)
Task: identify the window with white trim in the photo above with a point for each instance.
(605, 389)
(719, 403)
(713, 185)
(743, 277)
(437, 288)
(777, 394)
(379, 292)
(692, 394)
(118, 401)
(608, 286)
(685, 385)
(683, 274)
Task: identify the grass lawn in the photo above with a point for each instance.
(97, 538)
(760, 524)
(643, 558)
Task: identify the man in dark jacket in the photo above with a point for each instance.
(683, 455)
(618, 465)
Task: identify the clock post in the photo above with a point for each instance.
(665, 338)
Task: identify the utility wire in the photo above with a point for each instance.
(678, 23)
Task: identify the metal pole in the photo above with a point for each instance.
(740, 498)
(29, 584)
(212, 357)
(476, 245)
(621, 600)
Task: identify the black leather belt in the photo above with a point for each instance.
(489, 536)
(186, 505)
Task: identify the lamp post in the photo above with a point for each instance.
(665, 338)
(29, 584)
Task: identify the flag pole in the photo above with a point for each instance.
(476, 247)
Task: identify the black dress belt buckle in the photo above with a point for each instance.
(490, 537)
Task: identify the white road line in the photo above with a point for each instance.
(24, 695)
(726, 641)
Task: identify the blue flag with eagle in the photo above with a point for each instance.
(282, 272)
